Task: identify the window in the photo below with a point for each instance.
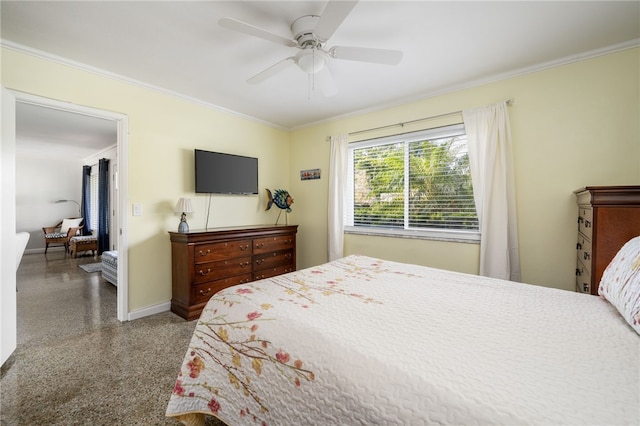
(415, 184)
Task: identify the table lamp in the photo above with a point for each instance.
(183, 206)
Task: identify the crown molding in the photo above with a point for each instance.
(567, 60)
(123, 79)
(630, 44)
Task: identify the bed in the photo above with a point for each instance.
(364, 341)
(110, 267)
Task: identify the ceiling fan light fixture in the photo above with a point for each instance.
(311, 61)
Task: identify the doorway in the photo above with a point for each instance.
(119, 184)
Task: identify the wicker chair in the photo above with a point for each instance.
(59, 236)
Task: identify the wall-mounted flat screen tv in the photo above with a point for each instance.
(219, 173)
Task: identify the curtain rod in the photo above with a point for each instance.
(402, 124)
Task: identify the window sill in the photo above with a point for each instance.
(469, 237)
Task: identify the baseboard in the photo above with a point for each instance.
(149, 310)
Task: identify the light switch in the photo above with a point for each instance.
(137, 209)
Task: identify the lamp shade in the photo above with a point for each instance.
(183, 206)
(70, 201)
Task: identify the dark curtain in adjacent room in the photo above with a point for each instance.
(103, 205)
(85, 204)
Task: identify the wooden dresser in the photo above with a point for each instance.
(205, 262)
(608, 217)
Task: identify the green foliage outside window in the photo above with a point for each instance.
(439, 192)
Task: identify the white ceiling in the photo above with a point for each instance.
(50, 132)
(178, 46)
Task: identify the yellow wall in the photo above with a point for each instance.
(572, 126)
(163, 131)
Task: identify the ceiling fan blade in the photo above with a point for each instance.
(271, 71)
(324, 80)
(366, 54)
(252, 30)
(334, 13)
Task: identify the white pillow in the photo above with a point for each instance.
(620, 283)
(70, 223)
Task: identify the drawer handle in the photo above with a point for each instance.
(202, 293)
(287, 256)
(578, 246)
(259, 245)
(201, 272)
(259, 261)
(289, 241)
(587, 224)
(586, 255)
(578, 273)
(244, 264)
(202, 253)
(259, 277)
(580, 219)
(244, 247)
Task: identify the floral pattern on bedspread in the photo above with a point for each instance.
(368, 341)
(231, 356)
(241, 356)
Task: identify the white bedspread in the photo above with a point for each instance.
(361, 341)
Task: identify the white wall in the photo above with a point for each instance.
(41, 180)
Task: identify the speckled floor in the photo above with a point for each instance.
(75, 363)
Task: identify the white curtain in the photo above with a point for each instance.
(337, 178)
(490, 157)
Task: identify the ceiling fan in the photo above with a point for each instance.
(310, 35)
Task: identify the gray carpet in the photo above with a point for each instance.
(76, 364)
(91, 267)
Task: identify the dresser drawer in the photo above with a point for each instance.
(219, 251)
(584, 251)
(271, 244)
(205, 262)
(585, 221)
(273, 259)
(583, 277)
(204, 291)
(210, 271)
(272, 272)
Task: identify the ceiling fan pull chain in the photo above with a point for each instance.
(313, 76)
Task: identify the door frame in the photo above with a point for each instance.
(122, 123)
(8, 311)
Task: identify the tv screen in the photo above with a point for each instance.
(218, 173)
